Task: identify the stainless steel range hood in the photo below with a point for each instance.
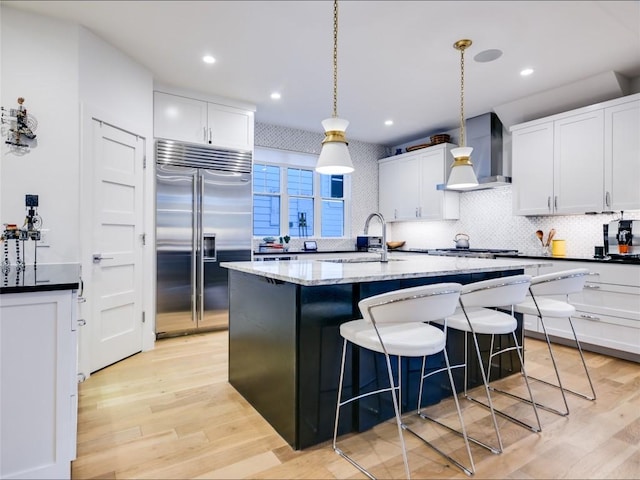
(484, 134)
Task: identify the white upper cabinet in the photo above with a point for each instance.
(407, 186)
(622, 157)
(578, 163)
(197, 121)
(532, 165)
(583, 161)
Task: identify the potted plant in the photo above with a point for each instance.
(285, 242)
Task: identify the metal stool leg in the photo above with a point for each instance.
(467, 470)
(515, 420)
(340, 403)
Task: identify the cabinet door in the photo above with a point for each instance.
(579, 163)
(399, 188)
(179, 118)
(230, 127)
(622, 157)
(436, 204)
(532, 170)
(38, 369)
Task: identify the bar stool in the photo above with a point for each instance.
(544, 307)
(394, 324)
(475, 317)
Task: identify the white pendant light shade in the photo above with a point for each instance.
(334, 157)
(462, 174)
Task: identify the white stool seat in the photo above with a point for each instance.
(484, 320)
(402, 339)
(549, 307)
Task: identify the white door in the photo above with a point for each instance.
(117, 243)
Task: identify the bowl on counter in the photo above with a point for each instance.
(394, 245)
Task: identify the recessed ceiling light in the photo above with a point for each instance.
(276, 96)
(526, 72)
(488, 55)
(388, 122)
(208, 59)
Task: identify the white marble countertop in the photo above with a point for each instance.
(328, 272)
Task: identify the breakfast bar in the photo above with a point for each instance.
(284, 341)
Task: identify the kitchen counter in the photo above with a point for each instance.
(46, 277)
(285, 345)
(400, 266)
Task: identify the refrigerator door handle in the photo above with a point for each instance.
(194, 245)
(201, 250)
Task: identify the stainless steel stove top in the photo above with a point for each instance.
(472, 252)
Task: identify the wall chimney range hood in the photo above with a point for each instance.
(484, 134)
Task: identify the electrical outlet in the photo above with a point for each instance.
(44, 238)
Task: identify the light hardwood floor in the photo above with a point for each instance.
(170, 413)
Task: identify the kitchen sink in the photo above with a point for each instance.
(358, 260)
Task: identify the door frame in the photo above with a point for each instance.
(88, 114)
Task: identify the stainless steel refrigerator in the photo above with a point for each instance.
(203, 217)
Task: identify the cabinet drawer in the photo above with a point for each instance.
(611, 300)
(602, 330)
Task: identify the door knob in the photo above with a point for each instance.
(97, 257)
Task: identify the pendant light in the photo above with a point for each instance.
(334, 157)
(462, 175)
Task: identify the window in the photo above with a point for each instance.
(290, 198)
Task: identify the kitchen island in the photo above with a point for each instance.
(285, 346)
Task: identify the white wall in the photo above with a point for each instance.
(66, 75)
(40, 63)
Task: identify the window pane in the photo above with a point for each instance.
(299, 182)
(331, 186)
(332, 218)
(266, 215)
(300, 217)
(266, 178)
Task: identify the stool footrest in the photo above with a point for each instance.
(577, 394)
(468, 472)
(353, 462)
(505, 415)
(459, 433)
(526, 400)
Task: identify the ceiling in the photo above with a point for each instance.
(395, 58)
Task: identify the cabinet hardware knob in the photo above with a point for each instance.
(81, 377)
(82, 300)
(82, 322)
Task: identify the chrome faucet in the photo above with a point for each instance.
(383, 254)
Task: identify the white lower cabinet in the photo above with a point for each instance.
(38, 395)
(607, 315)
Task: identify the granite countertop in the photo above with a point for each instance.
(45, 277)
(354, 270)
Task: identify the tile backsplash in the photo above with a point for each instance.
(486, 216)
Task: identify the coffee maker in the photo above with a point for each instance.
(622, 238)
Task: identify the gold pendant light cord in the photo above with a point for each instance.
(462, 140)
(335, 58)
